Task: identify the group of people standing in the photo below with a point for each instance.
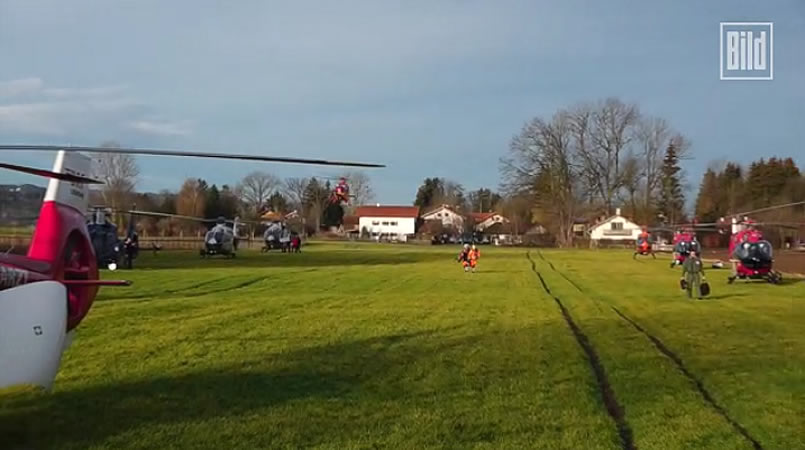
(469, 257)
(277, 235)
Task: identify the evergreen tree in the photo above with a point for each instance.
(429, 192)
(315, 201)
(229, 205)
(212, 208)
(758, 184)
(672, 200)
(278, 203)
(333, 215)
(708, 204)
(731, 188)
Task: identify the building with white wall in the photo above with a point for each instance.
(615, 228)
(447, 216)
(487, 220)
(381, 220)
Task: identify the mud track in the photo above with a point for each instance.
(614, 409)
(680, 364)
(693, 378)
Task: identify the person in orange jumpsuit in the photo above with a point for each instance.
(475, 255)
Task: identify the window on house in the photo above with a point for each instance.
(375, 222)
(394, 224)
(385, 223)
(617, 226)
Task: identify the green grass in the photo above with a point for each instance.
(365, 346)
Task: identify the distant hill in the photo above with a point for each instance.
(20, 202)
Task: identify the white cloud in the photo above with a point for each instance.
(21, 86)
(34, 118)
(162, 128)
(53, 111)
(84, 92)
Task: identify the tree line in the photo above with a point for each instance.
(255, 194)
(729, 188)
(578, 164)
(588, 159)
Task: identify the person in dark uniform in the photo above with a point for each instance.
(131, 246)
(693, 275)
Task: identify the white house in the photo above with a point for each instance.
(387, 220)
(447, 216)
(615, 228)
(486, 220)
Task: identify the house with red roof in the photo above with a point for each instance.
(381, 220)
(484, 221)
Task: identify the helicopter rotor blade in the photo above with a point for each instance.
(181, 217)
(197, 154)
(49, 174)
(167, 215)
(769, 208)
(789, 225)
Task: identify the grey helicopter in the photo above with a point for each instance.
(221, 239)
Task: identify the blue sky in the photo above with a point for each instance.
(430, 88)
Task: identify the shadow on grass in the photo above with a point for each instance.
(86, 417)
(724, 296)
(334, 258)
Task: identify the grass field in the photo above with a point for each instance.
(365, 346)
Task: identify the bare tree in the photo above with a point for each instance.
(543, 165)
(119, 173)
(451, 193)
(652, 135)
(602, 137)
(517, 208)
(631, 183)
(294, 189)
(256, 188)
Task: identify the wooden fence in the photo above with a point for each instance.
(19, 243)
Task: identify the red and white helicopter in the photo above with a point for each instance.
(750, 253)
(45, 295)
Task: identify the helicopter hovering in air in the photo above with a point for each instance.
(340, 193)
(45, 295)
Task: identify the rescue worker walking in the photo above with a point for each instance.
(693, 275)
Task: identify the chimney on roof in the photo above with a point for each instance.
(617, 211)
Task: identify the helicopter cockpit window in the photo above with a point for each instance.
(756, 251)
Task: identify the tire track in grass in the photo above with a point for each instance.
(680, 364)
(706, 395)
(614, 409)
(560, 273)
(169, 292)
